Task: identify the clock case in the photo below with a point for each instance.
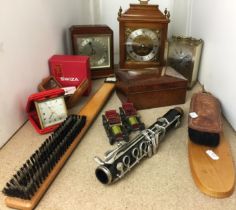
(189, 68)
(94, 30)
(142, 16)
(31, 109)
(49, 83)
(83, 89)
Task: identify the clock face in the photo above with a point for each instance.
(51, 111)
(180, 57)
(142, 45)
(97, 48)
(181, 53)
(184, 55)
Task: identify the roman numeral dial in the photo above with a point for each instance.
(143, 44)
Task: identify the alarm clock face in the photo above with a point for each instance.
(97, 48)
(142, 44)
(51, 111)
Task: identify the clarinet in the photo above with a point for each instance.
(128, 154)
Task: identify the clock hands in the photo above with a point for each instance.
(183, 55)
(93, 52)
(187, 57)
(142, 45)
(52, 112)
(51, 115)
(97, 49)
(139, 44)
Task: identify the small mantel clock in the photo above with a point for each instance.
(184, 56)
(143, 33)
(95, 41)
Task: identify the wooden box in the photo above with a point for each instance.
(153, 87)
(71, 99)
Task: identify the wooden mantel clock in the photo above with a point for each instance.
(95, 41)
(143, 33)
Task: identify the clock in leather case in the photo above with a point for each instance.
(46, 110)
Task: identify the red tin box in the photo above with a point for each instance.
(70, 70)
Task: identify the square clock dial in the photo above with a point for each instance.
(95, 41)
(184, 56)
(51, 111)
(96, 47)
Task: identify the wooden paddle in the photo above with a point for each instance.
(213, 175)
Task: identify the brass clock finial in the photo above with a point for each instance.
(167, 13)
(120, 12)
(144, 2)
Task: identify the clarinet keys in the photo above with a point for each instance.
(122, 159)
(149, 151)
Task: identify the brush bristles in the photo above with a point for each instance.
(204, 138)
(27, 180)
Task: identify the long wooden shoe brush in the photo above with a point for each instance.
(26, 186)
(31, 181)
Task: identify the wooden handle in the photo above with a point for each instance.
(90, 110)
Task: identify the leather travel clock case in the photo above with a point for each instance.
(152, 87)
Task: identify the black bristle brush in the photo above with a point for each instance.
(25, 194)
(24, 185)
(204, 138)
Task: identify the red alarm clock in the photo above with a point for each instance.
(46, 110)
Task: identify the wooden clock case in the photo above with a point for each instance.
(143, 16)
(89, 30)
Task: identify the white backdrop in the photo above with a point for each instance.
(106, 12)
(32, 31)
(214, 22)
